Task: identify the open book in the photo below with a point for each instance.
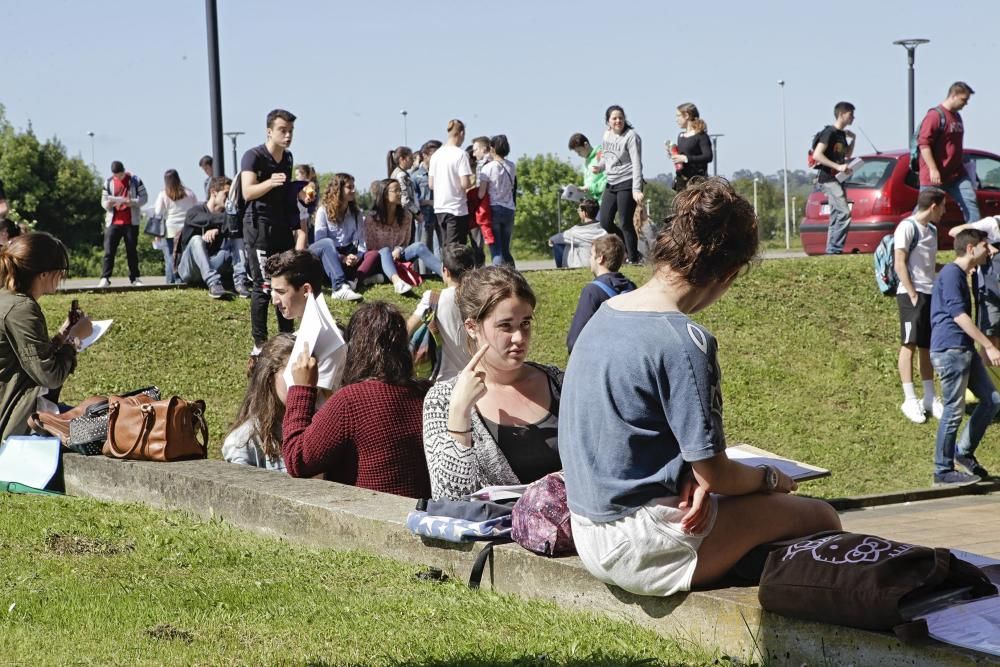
(753, 456)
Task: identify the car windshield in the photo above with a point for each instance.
(873, 173)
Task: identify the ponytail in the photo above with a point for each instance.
(393, 158)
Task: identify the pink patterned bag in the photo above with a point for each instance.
(541, 518)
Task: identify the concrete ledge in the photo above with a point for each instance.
(324, 514)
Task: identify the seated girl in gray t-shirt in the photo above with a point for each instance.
(657, 507)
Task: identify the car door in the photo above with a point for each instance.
(988, 188)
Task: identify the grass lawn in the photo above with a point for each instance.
(86, 582)
(807, 346)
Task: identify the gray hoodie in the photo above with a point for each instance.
(622, 157)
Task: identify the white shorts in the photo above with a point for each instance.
(646, 553)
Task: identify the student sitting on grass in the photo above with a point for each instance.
(606, 256)
(656, 504)
(571, 248)
(456, 261)
(496, 422)
(369, 434)
(255, 438)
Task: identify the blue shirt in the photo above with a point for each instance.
(630, 423)
(950, 299)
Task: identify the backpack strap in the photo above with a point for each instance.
(607, 289)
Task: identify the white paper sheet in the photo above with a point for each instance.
(319, 330)
(852, 166)
(100, 328)
(29, 459)
(496, 493)
(790, 468)
(974, 625)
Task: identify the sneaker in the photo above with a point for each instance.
(345, 293)
(936, 408)
(216, 291)
(969, 462)
(242, 291)
(402, 287)
(353, 284)
(914, 410)
(136, 283)
(954, 478)
(104, 282)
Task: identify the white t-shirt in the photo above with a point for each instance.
(454, 339)
(921, 260)
(448, 165)
(499, 175)
(173, 212)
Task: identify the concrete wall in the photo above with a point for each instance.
(323, 514)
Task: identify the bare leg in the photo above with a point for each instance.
(744, 522)
(906, 363)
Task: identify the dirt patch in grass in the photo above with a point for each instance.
(65, 544)
(169, 633)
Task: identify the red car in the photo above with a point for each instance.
(882, 192)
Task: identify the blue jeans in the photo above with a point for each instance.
(327, 253)
(958, 369)
(559, 254)
(197, 265)
(410, 253)
(962, 191)
(503, 231)
(840, 217)
(168, 260)
(238, 254)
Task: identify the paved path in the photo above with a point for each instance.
(969, 523)
(158, 282)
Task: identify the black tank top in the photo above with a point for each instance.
(531, 449)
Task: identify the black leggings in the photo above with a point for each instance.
(618, 199)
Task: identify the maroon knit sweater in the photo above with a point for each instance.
(369, 435)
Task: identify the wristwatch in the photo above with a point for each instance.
(770, 482)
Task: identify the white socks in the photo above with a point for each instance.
(908, 391)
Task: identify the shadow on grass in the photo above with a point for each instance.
(543, 660)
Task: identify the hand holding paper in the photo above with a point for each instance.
(318, 332)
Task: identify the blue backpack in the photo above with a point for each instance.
(915, 149)
(885, 260)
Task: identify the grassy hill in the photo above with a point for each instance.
(807, 347)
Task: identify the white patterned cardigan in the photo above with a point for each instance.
(457, 470)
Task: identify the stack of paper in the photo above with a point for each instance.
(319, 330)
(852, 167)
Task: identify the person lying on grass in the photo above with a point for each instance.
(369, 434)
(656, 505)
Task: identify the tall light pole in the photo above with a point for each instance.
(755, 182)
(403, 113)
(911, 47)
(215, 88)
(715, 153)
(784, 162)
(236, 165)
(93, 160)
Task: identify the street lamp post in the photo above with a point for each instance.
(236, 165)
(755, 182)
(404, 113)
(784, 162)
(93, 159)
(911, 47)
(214, 87)
(715, 153)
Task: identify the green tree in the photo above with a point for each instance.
(48, 190)
(540, 180)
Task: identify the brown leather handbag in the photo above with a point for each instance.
(166, 430)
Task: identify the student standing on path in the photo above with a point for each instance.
(942, 160)
(432, 235)
(953, 338)
(498, 180)
(271, 222)
(694, 147)
(916, 243)
(832, 152)
(172, 205)
(206, 163)
(594, 181)
(621, 160)
(450, 176)
(988, 278)
(123, 197)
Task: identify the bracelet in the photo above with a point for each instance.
(451, 430)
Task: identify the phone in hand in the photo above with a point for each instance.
(74, 312)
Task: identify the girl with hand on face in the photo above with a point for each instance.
(656, 504)
(621, 160)
(387, 230)
(31, 266)
(496, 423)
(694, 146)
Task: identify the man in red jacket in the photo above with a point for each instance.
(942, 161)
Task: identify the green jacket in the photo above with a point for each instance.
(593, 183)
(29, 361)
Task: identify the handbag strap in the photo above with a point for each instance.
(198, 415)
(147, 415)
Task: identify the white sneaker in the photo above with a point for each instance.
(913, 408)
(402, 287)
(136, 283)
(345, 293)
(936, 409)
(104, 282)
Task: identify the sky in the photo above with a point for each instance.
(136, 75)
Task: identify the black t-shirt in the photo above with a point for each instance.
(277, 206)
(836, 151)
